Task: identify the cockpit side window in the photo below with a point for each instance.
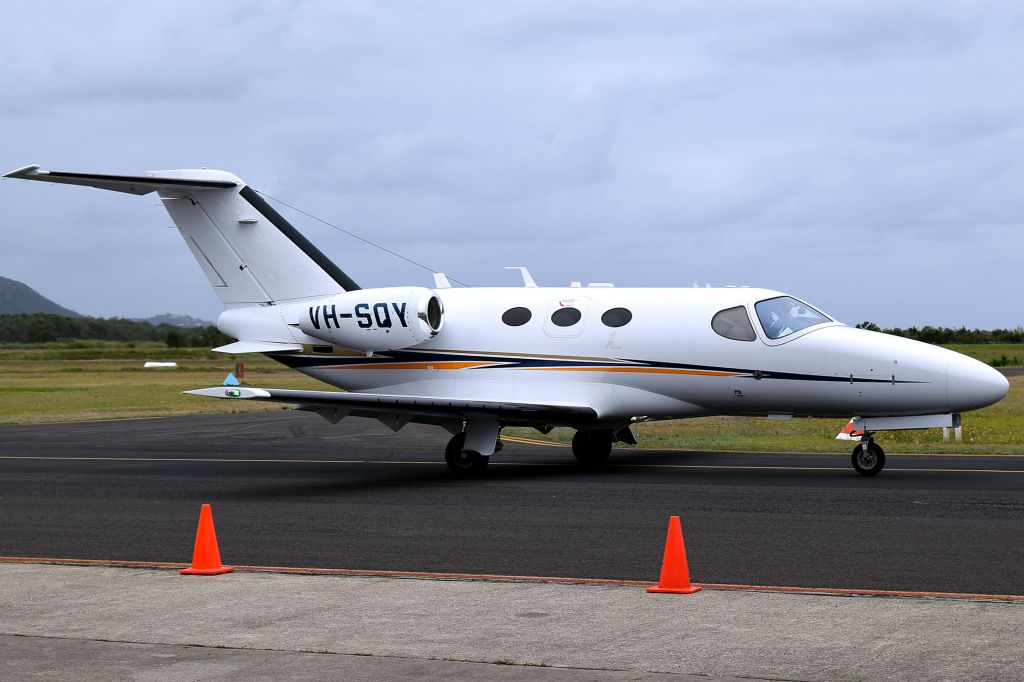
(783, 316)
(733, 323)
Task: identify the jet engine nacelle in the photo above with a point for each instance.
(375, 319)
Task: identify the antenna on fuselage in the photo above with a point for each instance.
(527, 277)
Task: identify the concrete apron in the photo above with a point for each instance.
(714, 633)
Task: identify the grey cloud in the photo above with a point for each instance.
(851, 33)
(861, 155)
(75, 53)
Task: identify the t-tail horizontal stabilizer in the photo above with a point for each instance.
(131, 184)
(249, 253)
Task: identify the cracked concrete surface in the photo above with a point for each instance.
(66, 621)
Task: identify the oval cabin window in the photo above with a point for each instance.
(516, 317)
(617, 317)
(566, 317)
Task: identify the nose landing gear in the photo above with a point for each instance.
(868, 457)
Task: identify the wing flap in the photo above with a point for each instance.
(374, 404)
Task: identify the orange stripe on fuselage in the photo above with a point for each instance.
(417, 365)
(640, 370)
(450, 365)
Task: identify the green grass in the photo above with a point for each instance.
(85, 382)
(995, 354)
(103, 350)
(53, 384)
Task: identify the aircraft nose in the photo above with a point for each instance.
(973, 384)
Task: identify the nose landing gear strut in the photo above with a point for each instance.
(868, 457)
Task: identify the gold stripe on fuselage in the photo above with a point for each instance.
(417, 366)
(640, 370)
(544, 356)
(455, 365)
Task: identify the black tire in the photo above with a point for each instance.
(592, 448)
(868, 463)
(463, 463)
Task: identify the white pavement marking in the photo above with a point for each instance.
(727, 467)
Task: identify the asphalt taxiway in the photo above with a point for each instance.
(288, 489)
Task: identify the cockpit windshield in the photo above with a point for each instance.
(783, 316)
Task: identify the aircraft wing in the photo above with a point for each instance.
(335, 405)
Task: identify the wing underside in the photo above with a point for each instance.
(397, 410)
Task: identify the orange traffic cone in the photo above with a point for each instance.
(206, 556)
(675, 576)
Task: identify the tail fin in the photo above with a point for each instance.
(248, 251)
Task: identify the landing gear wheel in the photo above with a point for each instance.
(592, 448)
(868, 461)
(463, 463)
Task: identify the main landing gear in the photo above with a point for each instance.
(868, 457)
(463, 463)
(468, 453)
(592, 447)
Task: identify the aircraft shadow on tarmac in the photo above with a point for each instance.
(391, 475)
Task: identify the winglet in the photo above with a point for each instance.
(527, 277)
(24, 173)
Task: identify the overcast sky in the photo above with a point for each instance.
(866, 157)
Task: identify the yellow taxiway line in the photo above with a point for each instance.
(535, 441)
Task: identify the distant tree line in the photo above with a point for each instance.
(44, 328)
(942, 335)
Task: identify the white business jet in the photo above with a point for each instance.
(594, 358)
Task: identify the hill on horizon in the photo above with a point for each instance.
(18, 298)
(175, 320)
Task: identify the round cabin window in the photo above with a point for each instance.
(617, 317)
(516, 317)
(566, 317)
